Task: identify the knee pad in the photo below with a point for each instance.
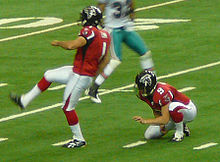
(152, 132)
(48, 75)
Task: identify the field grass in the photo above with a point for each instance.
(107, 127)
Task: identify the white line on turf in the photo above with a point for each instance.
(158, 5)
(205, 146)
(3, 139)
(110, 91)
(38, 32)
(135, 143)
(3, 84)
(57, 87)
(100, 90)
(61, 143)
(138, 143)
(75, 23)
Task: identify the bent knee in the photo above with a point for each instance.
(152, 132)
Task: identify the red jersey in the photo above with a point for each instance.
(164, 94)
(88, 57)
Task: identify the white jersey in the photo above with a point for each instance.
(117, 13)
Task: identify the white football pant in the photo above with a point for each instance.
(189, 113)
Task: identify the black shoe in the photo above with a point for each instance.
(17, 100)
(75, 144)
(177, 138)
(94, 96)
(186, 130)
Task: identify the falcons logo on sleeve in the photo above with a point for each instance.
(88, 33)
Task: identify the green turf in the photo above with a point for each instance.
(109, 126)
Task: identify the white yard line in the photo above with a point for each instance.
(138, 143)
(110, 91)
(57, 87)
(38, 32)
(131, 144)
(3, 139)
(75, 23)
(158, 5)
(3, 84)
(61, 143)
(205, 146)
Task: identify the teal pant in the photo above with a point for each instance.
(130, 38)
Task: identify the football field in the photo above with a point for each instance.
(184, 37)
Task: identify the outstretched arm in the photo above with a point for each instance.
(70, 45)
(163, 119)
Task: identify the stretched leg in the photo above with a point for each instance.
(60, 75)
(75, 87)
(134, 41)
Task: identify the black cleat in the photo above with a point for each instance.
(186, 130)
(75, 144)
(17, 100)
(177, 138)
(94, 96)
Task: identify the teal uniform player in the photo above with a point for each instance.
(119, 16)
(119, 23)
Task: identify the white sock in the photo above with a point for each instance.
(28, 97)
(112, 65)
(147, 61)
(179, 128)
(76, 130)
(99, 80)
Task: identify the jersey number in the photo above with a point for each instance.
(160, 90)
(118, 6)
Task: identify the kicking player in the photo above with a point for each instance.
(92, 45)
(119, 23)
(171, 108)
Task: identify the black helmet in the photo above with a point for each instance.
(146, 81)
(91, 15)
